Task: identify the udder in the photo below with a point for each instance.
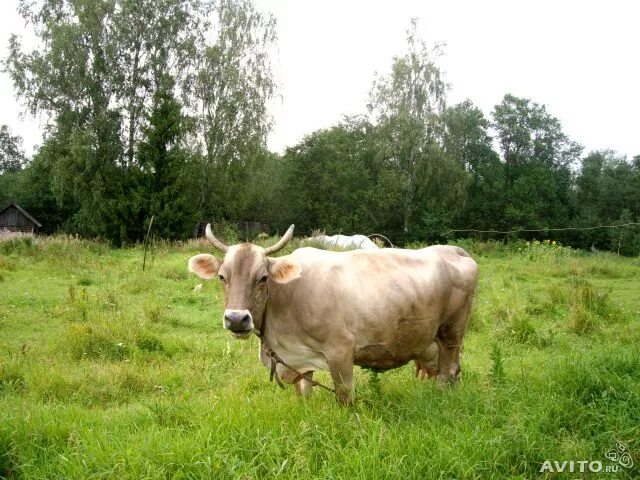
(427, 362)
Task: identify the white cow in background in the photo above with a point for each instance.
(343, 242)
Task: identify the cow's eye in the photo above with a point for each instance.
(221, 277)
(263, 279)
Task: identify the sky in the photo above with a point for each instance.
(580, 59)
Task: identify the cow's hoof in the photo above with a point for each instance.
(344, 398)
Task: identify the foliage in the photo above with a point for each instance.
(607, 193)
(537, 158)
(122, 85)
(547, 248)
(11, 155)
(230, 93)
(408, 105)
(468, 141)
(12, 160)
(329, 180)
(166, 169)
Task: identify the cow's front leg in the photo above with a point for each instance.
(340, 361)
(341, 368)
(342, 375)
(304, 387)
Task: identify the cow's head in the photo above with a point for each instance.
(246, 274)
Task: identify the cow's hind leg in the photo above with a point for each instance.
(450, 337)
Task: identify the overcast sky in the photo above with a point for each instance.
(581, 59)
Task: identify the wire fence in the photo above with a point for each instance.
(534, 230)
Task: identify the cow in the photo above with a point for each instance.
(346, 242)
(324, 310)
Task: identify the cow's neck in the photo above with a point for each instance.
(276, 300)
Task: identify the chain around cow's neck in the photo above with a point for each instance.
(263, 320)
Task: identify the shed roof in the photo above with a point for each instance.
(24, 212)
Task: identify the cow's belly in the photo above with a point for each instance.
(385, 348)
(379, 356)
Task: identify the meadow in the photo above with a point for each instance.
(107, 371)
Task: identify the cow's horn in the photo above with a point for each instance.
(283, 241)
(216, 243)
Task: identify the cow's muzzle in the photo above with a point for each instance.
(239, 322)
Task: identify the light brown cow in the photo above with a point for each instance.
(321, 310)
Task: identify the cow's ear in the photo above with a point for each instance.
(283, 271)
(204, 265)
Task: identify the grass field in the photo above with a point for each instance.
(106, 371)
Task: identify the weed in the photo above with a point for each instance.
(110, 300)
(588, 305)
(7, 264)
(153, 312)
(477, 322)
(18, 245)
(374, 382)
(558, 295)
(139, 284)
(96, 341)
(149, 342)
(545, 249)
(77, 306)
(522, 330)
(177, 272)
(11, 377)
(496, 373)
(582, 320)
(167, 413)
(85, 281)
(482, 248)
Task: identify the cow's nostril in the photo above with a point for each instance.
(237, 320)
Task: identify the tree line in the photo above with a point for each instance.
(160, 108)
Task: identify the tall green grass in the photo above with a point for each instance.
(110, 372)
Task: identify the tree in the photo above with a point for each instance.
(468, 141)
(74, 81)
(167, 169)
(538, 158)
(466, 136)
(327, 182)
(100, 76)
(230, 92)
(408, 105)
(12, 158)
(606, 194)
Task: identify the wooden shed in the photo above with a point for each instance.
(14, 218)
